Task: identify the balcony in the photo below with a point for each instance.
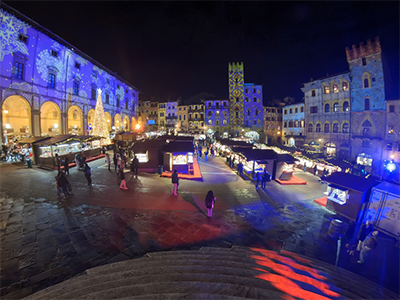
(172, 117)
(196, 119)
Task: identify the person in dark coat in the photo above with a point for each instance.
(370, 243)
(63, 183)
(115, 160)
(315, 170)
(57, 161)
(174, 180)
(66, 165)
(88, 174)
(135, 165)
(264, 179)
(209, 202)
(364, 231)
(122, 178)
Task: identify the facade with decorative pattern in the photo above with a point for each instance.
(144, 111)
(217, 115)
(253, 108)
(327, 119)
(162, 111)
(49, 87)
(196, 118)
(273, 125)
(171, 116)
(293, 125)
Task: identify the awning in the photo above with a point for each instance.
(33, 139)
(338, 187)
(180, 146)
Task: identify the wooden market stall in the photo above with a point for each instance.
(348, 194)
(178, 155)
(32, 144)
(148, 153)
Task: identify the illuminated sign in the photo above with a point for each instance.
(180, 159)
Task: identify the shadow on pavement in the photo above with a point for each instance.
(189, 199)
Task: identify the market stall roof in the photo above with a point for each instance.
(183, 138)
(256, 154)
(166, 137)
(339, 163)
(287, 158)
(147, 144)
(350, 181)
(33, 139)
(179, 146)
(57, 139)
(389, 187)
(87, 138)
(231, 143)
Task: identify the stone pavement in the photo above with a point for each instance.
(45, 241)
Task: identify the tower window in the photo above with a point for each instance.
(255, 99)
(391, 108)
(237, 99)
(364, 61)
(313, 93)
(313, 109)
(78, 66)
(18, 70)
(52, 81)
(117, 101)
(107, 98)
(76, 88)
(54, 53)
(346, 106)
(366, 104)
(345, 86)
(93, 94)
(23, 38)
(326, 89)
(327, 108)
(248, 112)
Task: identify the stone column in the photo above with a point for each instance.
(35, 121)
(64, 123)
(2, 128)
(85, 111)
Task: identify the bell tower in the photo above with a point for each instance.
(236, 96)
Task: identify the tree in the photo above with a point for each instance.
(100, 123)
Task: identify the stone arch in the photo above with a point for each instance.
(366, 80)
(126, 123)
(343, 126)
(108, 120)
(327, 127)
(75, 120)
(117, 121)
(16, 112)
(370, 124)
(318, 126)
(335, 127)
(90, 119)
(50, 119)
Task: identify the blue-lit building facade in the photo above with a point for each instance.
(49, 87)
(217, 116)
(293, 119)
(253, 108)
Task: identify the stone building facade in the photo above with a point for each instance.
(183, 118)
(161, 112)
(272, 125)
(391, 146)
(171, 116)
(196, 118)
(327, 117)
(49, 87)
(217, 115)
(293, 121)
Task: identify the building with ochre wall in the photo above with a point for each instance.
(183, 118)
(273, 125)
(327, 118)
(368, 105)
(162, 111)
(293, 125)
(196, 118)
(49, 87)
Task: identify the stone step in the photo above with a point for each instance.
(178, 296)
(343, 278)
(190, 288)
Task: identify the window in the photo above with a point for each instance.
(52, 81)
(310, 127)
(313, 93)
(18, 70)
(345, 128)
(296, 124)
(318, 127)
(247, 99)
(364, 159)
(273, 110)
(365, 143)
(93, 94)
(224, 104)
(267, 118)
(336, 107)
(255, 99)
(108, 81)
(224, 122)
(391, 129)
(94, 74)
(255, 122)
(366, 104)
(180, 117)
(313, 109)
(296, 110)
(23, 38)
(366, 80)
(391, 108)
(290, 124)
(285, 111)
(290, 111)
(248, 112)
(302, 124)
(77, 65)
(107, 98)
(76, 88)
(335, 128)
(237, 99)
(162, 114)
(217, 113)
(326, 89)
(209, 122)
(117, 101)
(364, 61)
(326, 128)
(346, 106)
(366, 132)
(237, 114)
(217, 122)
(209, 113)
(327, 108)
(257, 112)
(54, 53)
(345, 86)
(246, 91)
(217, 105)
(126, 103)
(302, 109)
(335, 88)
(254, 90)
(184, 117)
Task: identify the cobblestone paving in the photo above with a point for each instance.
(45, 241)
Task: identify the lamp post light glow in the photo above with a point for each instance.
(5, 111)
(137, 126)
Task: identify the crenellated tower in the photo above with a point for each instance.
(368, 103)
(236, 96)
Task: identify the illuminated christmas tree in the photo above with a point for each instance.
(100, 124)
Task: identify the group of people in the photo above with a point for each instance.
(367, 241)
(120, 161)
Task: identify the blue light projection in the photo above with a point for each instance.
(10, 28)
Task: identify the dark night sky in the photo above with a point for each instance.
(172, 49)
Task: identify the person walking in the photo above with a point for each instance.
(369, 244)
(122, 178)
(118, 162)
(174, 179)
(264, 179)
(57, 161)
(364, 231)
(258, 179)
(77, 161)
(66, 165)
(108, 160)
(210, 200)
(205, 155)
(135, 166)
(115, 161)
(63, 183)
(305, 167)
(315, 170)
(88, 174)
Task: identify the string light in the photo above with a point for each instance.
(100, 123)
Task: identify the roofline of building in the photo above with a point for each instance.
(329, 76)
(60, 40)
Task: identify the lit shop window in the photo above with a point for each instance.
(364, 159)
(337, 195)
